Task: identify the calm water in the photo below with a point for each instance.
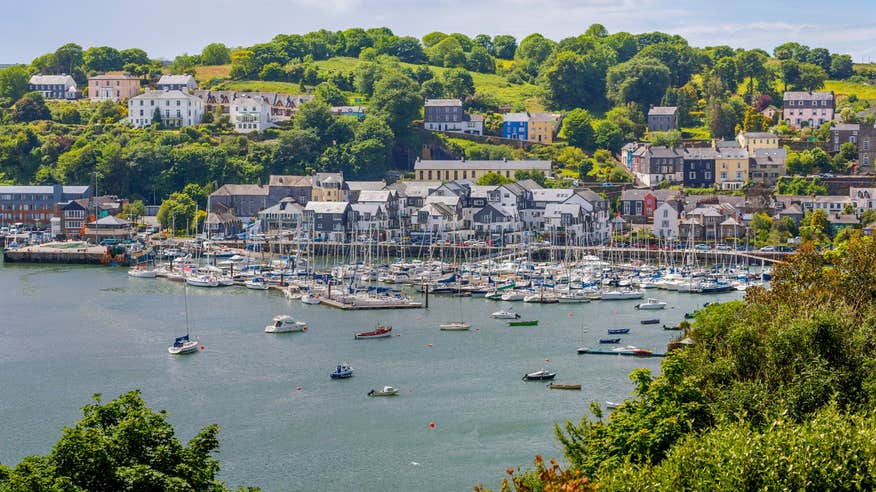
(69, 332)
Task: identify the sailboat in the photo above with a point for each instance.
(184, 344)
(458, 325)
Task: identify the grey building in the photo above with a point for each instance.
(862, 136)
(447, 115)
(36, 205)
(699, 167)
(767, 165)
(662, 118)
(184, 83)
(327, 221)
(54, 86)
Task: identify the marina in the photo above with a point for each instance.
(281, 406)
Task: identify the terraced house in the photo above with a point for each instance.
(810, 109)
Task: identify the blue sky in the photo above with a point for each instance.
(165, 28)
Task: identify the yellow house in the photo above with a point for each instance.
(542, 127)
(731, 168)
(752, 141)
(441, 170)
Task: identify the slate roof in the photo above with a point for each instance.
(662, 111)
(366, 185)
(327, 207)
(241, 189)
(556, 195)
(14, 190)
(290, 180)
(175, 79)
(489, 165)
(443, 102)
(53, 80)
(808, 96)
(374, 196)
(700, 153)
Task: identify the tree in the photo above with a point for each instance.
(670, 139)
(31, 107)
(458, 83)
(243, 65)
(102, 59)
(121, 445)
(135, 56)
(535, 48)
(754, 121)
(317, 116)
(216, 54)
(640, 80)
(68, 58)
(681, 60)
(13, 82)
(396, 98)
(492, 179)
(751, 64)
(433, 38)
(504, 46)
(177, 211)
(820, 57)
(537, 176)
(574, 80)
(848, 152)
(578, 129)
(272, 71)
(607, 135)
(330, 94)
(479, 60)
(725, 70)
(721, 119)
(811, 77)
(841, 66)
(156, 118)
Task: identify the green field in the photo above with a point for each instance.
(845, 88)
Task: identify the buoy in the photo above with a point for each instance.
(547, 360)
(304, 329)
(431, 425)
(202, 347)
(428, 344)
(477, 329)
(570, 314)
(298, 388)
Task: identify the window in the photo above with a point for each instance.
(692, 175)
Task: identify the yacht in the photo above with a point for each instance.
(455, 326)
(256, 283)
(310, 299)
(285, 324)
(618, 295)
(651, 304)
(138, 273)
(505, 314)
(574, 296)
(183, 345)
(512, 296)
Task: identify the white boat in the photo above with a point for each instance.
(493, 295)
(256, 283)
(138, 273)
(285, 324)
(651, 304)
(386, 391)
(542, 298)
(202, 281)
(575, 296)
(611, 405)
(455, 326)
(619, 295)
(309, 299)
(512, 296)
(226, 281)
(504, 314)
(183, 345)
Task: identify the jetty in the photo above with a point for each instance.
(70, 252)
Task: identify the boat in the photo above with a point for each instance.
(631, 350)
(652, 321)
(343, 371)
(256, 283)
(183, 345)
(611, 405)
(621, 295)
(138, 273)
(651, 304)
(202, 281)
(562, 386)
(523, 323)
(672, 328)
(310, 299)
(542, 298)
(609, 340)
(386, 391)
(455, 326)
(494, 295)
(504, 314)
(542, 375)
(380, 332)
(285, 324)
(573, 297)
(512, 296)
(618, 331)
(583, 349)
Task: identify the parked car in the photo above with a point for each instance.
(723, 247)
(767, 249)
(109, 242)
(702, 247)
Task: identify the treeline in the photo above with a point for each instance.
(775, 392)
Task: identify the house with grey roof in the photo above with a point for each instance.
(807, 108)
(862, 136)
(328, 221)
(654, 164)
(54, 86)
(285, 216)
(369, 220)
(662, 118)
(666, 218)
(174, 108)
(452, 170)
(447, 115)
(183, 82)
(767, 165)
(699, 167)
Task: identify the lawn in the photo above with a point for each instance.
(258, 86)
(844, 88)
(210, 72)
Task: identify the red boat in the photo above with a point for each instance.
(380, 332)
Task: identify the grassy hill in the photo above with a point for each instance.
(522, 96)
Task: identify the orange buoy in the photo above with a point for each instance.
(202, 347)
(428, 344)
(431, 425)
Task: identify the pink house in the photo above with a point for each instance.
(112, 87)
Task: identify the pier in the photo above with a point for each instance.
(66, 253)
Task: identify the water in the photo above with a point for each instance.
(70, 332)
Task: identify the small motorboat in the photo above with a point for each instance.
(493, 295)
(310, 299)
(256, 283)
(632, 350)
(380, 332)
(583, 350)
(138, 273)
(386, 391)
(652, 321)
(343, 371)
(618, 331)
(505, 314)
(285, 324)
(609, 340)
(651, 304)
(542, 375)
(455, 326)
(512, 296)
(562, 386)
(672, 328)
(611, 405)
(183, 345)
(523, 323)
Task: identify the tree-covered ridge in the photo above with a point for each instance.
(777, 392)
(119, 446)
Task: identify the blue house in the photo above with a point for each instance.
(516, 126)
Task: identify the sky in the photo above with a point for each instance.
(166, 28)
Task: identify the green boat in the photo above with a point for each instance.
(523, 323)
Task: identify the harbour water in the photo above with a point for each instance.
(69, 332)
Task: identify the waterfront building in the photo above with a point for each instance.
(327, 220)
(36, 205)
(447, 115)
(752, 141)
(285, 216)
(862, 136)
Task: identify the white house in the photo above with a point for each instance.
(184, 82)
(250, 114)
(177, 109)
(666, 218)
(863, 198)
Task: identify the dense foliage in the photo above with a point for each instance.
(120, 445)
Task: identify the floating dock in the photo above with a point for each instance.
(63, 252)
(358, 307)
(625, 354)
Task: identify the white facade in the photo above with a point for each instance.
(863, 198)
(250, 115)
(178, 109)
(665, 224)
